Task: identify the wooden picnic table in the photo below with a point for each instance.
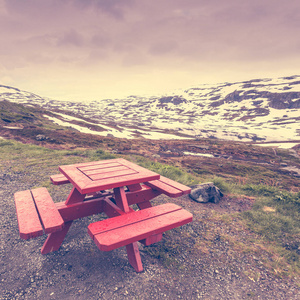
(109, 186)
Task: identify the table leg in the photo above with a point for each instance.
(121, 199)
(144, 205)
(133, 252)
(55, 239)
(75, 197)
(134, 256)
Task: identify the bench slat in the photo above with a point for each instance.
(130, 218)
(59, 179)
(50, 216)
(169, 187)
(28, 219)
(120, 231)
(185, 189)
(164, 188)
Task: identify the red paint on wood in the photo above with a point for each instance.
(185, 189)
(137, 216)
(112, 210)
(59, 179)
(123, 230)
(102, 164)
(55, 239)
(134, 257)
(143, 205)
(169, 187)
(164, 188)
(121, 199)
(134, 174)
(28, 219)
(134, 187)
(145, 194)
(113, 174)
(49, 215)
(75, 197)
(104, 170)
(81, 209)
(152, 239)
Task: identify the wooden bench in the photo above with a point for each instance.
(36, 212)
(59, 179)
(136, 226)
(169, 187)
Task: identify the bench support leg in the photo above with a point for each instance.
(55, 239)
(134, 256)
(152, 239)
(121, 200)
(74, 197)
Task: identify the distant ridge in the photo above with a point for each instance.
(255, 110)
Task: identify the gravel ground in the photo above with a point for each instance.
(210, 270)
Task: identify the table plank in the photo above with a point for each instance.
(99, 171)
(99, 165)
(113, 174)
(83, 177)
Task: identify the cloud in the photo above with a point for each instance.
(113, 7)
(40, 8)
(163, 47)
(156, 37)
(71, 38)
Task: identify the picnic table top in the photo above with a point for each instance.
(106, 174)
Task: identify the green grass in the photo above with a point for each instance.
(275, 216)
(172, 172)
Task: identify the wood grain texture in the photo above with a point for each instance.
(101, 175)
(28, 218)
(59, 179)
(169, 187)
(126, 229)
(49, 215)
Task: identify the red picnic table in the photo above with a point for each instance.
(109, 186)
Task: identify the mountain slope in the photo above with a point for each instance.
(259, 109)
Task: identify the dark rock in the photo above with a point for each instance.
(41, 137)
(206, 192)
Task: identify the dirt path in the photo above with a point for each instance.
(197, 262)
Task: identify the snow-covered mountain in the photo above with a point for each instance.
(259, 109)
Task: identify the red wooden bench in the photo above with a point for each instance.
(59, 179)
(165, 185)
(169, 187)
(136, 226)
(36, 212)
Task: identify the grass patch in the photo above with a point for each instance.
(172, 172)
(224, 186)
(276, 217)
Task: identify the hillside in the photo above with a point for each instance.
(30, 124)
(245, 247)
(254, 110)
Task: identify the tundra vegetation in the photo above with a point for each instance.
(256, 175)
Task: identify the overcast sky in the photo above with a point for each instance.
(94, 49)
